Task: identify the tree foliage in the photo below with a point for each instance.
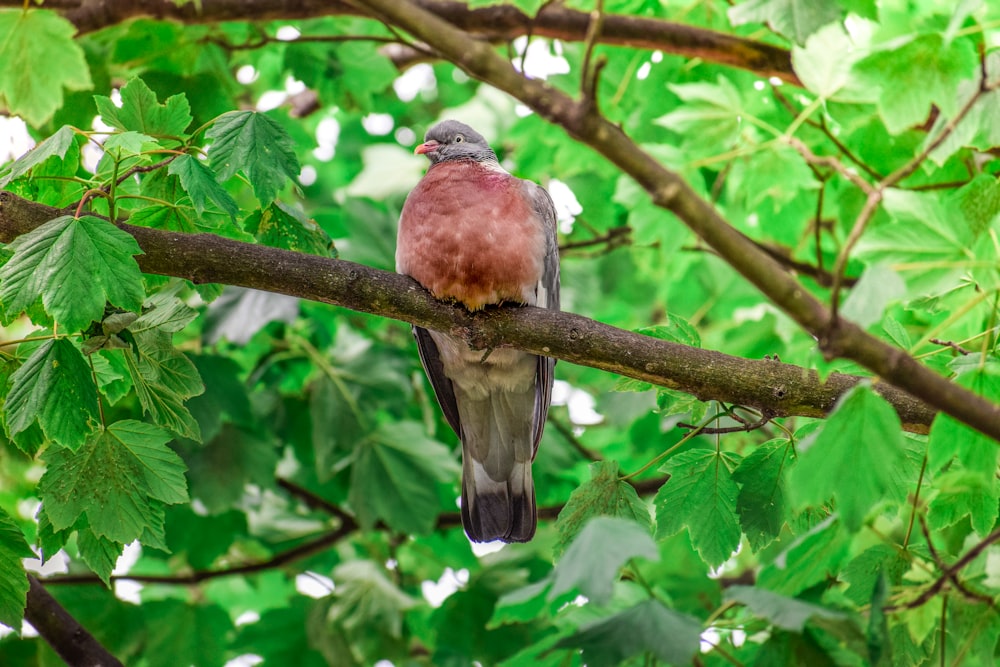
(782, 217)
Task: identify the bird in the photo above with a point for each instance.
(472, 233)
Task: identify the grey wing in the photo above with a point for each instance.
(430, 357)
(547, 294)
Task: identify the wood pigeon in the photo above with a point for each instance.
(472, 233)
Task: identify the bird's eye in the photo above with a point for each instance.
(459, 138)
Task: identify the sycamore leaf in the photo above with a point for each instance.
(13, 580)
(365, 598)
(604, 495)
(201, 185)
(75, 265)
(54, 386)
(671, 636)
(279, 226)
(39, 59)
(814, 556)
(795, 19)
(99, 553)
(187, 634)
(393, 475)
(100, 481)
(853, 459)
(823, 64)
(162, 469)
(701, 496)
(141, 111)
(964, 493)
(220, 470)
(115, 481)
(863, 573)
(163, 378)
(913, 77)
(54, 146)
(592, 561)
(784, 612)
(258, 146)
(761, 503)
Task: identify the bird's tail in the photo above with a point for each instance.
(498, 495)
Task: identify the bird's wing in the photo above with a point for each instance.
(547, 297)
(430, 357)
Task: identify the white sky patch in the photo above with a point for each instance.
(459, 76)
(14, 139)
(272, 99)
(405, 136)
(580, 403)
(542, 59)
(313, 584)
(245, 660)
(288, 33)
(327, 134)
(378, 124)
(567, 205)
(247, 74)
(57, 564)
(775, 81)
(249, 617)
(436, 592)
(481, 549)
(308, 175)
(656, 57)
(644, 71)
(759, 85)
(522, 110)
(418, 79)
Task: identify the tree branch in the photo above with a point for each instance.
(836, 337)
(496, 22)
(771, 387)
(62, 632)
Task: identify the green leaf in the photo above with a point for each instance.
(40, 59)
(200, 183)
(185, 634)
(853, 459)
(279, 226)
(913, 77)
(811, 558)
(54, 387)
(220, 470)
(13, 580)
(795, 19)
(163, 378)
(824, 63)
(649, 626)
(863, 573)
(592, 561)
(258, 146)
(99, 553)
(364, 598)
(964, 493)
(784, 612)
(761, 502)
(141, 111)
(100, 482)
(677, 330)
(951, 438)
(162, 470)
(701, 496)
(393, 475)
(54, 146)
(75, 265)
(712, 112)
(604, 495)
(878, 287)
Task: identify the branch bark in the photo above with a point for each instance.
(496, 22)
(773, 388)
(63, 633)
(837, 337)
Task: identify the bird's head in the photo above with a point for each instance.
(452, 140)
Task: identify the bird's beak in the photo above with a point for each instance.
(426, 147)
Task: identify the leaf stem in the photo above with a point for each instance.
(659, 457)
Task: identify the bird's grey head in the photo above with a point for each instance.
(452, 140)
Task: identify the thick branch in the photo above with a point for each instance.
(772, 387)
(837, 337)
(62, 632)
(496, 22)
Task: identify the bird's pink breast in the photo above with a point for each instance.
(468, 233)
